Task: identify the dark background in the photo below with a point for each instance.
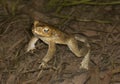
(98, 19)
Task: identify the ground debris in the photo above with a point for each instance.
(19, 67)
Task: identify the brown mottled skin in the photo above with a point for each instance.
(52, 36)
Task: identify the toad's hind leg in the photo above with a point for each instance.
(73, 46)
(84, 51)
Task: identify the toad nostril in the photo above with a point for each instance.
(33, 30)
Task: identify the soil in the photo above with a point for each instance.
(100, 23)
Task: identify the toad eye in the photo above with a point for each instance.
(46, 30)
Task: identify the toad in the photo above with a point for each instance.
(52, 36)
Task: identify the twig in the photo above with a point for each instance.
(4, 22)
(95, 20)
(9, 26)
(36, 70)
(14, 45)
(39, 74)
(66, 20)
(91, 3)
(83, 20)
(97, 30)
(31, 71)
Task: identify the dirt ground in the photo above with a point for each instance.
(101, 23)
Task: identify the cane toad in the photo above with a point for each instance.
(52, 36)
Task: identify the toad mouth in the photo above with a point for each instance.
(37, 35)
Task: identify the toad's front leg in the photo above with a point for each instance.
(49, 55)
(31, 44)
